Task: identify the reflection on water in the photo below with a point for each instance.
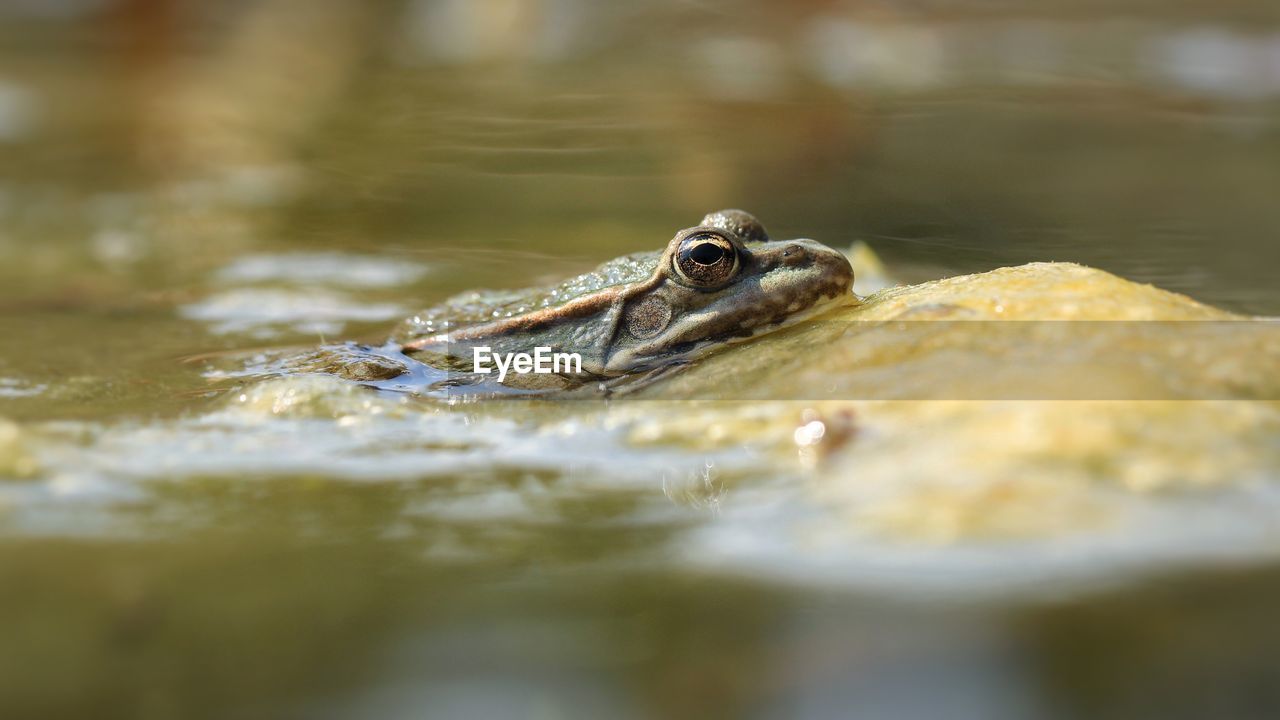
(204, 181)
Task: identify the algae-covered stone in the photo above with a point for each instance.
(979, 413)
(1085, 335)
(1038, 291)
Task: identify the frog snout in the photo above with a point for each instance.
(825, 271)
(831, 265)
(795, 253)
(805, 252)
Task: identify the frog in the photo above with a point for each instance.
(720, 282)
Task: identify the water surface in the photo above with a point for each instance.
(180, 182)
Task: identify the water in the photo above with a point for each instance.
(180, 185)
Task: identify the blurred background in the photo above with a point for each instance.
(159, 157)
(150, 137)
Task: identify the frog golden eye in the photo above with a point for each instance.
(706, 259)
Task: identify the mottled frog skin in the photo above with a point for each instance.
(720, 282)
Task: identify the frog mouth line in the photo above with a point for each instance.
(701, 348)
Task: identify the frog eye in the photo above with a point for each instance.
(706, 259)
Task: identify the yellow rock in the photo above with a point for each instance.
(955, 421)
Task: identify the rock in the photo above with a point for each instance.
(952, 339)
(967, 424)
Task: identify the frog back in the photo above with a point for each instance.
(483, 306)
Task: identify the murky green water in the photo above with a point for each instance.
(180, 182)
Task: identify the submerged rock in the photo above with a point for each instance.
(966, 409)
(1039, 331)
